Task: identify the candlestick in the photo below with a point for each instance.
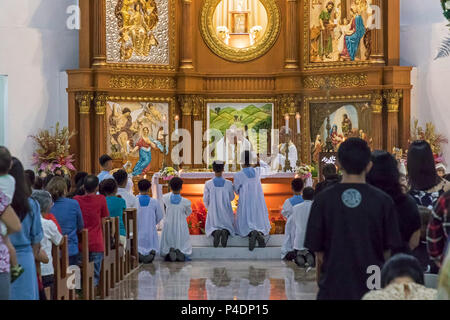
(297, 116)
(286, 118)
(165, 124)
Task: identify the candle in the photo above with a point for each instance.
(177, 118)
(297, 116)
(286, 118)
(165, 124)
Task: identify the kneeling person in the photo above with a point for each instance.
(175, 240)
(217, 197)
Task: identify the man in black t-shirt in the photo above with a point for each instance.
(352, 226)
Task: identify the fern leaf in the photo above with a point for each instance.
(444, 50)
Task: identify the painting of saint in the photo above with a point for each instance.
(133, 133)
(346, 125)
(340, 30)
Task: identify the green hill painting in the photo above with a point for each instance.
(255, 116)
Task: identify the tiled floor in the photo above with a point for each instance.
(218, 280)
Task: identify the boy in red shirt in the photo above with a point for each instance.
(94, 209)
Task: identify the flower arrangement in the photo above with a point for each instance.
(52, 150)
(446, 7)
(277, 224)
(197, 220)
(444, 50)
(435, 140)
(304, 171)
(168, 173)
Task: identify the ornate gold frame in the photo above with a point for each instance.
(306, 137)
(307, 48)
(169, 100)
(235, 54)
(172, 48)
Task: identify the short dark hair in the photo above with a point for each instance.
(90, 183)
(422, 174)
(79, 178)
(354, 155)
(104, 159)
(30, 176)
(176, 184)
(5, 160)
(308, 193)
(218, 166)
(38, 183)
(329, 170)
(297, 185)
(402, 265)
(120, 176)
(108, 187)
(48, 178)
(144, 185)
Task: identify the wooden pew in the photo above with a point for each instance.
(60, 256)
(120, 252)
(132, 256)
(87, 268)
(107, 273)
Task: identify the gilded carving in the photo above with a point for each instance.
(140, 33)
(352, 80)
(141, 82)
(84, 101)
(100, 103)
(377, 103)
(393, 99)
(257, 49)
(186, 105)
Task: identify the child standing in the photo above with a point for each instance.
(252, 214)
(300, 216)
(217, 197)
(287, 250)
(175, 241)
(116, 206)
(149, 214)
(7, 187)
(107, 165)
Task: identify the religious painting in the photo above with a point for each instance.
(333, 123)
(137, 31)
(239, 124)
(135, 132)
(341, 30)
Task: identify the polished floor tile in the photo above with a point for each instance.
(218, 280)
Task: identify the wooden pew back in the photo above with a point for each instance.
(87, 268)
(107, 274)
(60, 256)
(132, 256)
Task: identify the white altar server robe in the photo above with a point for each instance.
(252, 213)
(218, 202)
(147, 219)
(175, 232)
(300, 216)
(289, 229)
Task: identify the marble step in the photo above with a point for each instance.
(235, 253)
(275, 240)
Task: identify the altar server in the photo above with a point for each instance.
(217, 198)
(252, 214)
(287, 250)
(300, 216)
(175, 240)
(149, 214)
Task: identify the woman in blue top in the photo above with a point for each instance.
(27, 241)
(68, 214)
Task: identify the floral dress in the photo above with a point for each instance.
(4, 253)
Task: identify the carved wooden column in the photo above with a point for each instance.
(100, 133)
(393, 101)
(186, 121)
(186, 35)
(99, 22)
(377, 121)
(84, 104)
(291, 42)
(392, 32)
(376, 35)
